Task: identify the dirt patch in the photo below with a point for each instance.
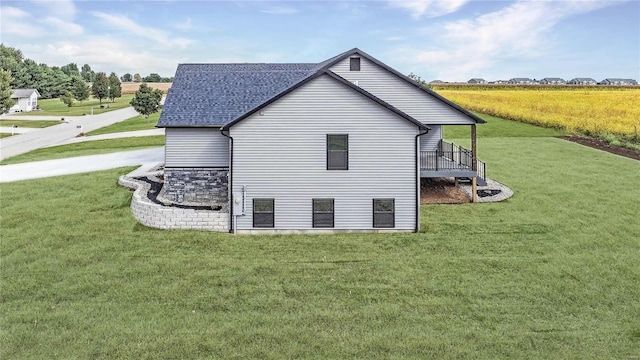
(442, 191)
(604, 146)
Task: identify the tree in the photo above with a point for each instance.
(146, 100)
(137, 77)
(100, 86)
(126, 78)
(10, 59)
(71, 69)
(79, 89)
(67, 98)
(153, 77)
(6, 102)
(115, 87)
(87, 74)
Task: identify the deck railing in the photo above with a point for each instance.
(450, 157)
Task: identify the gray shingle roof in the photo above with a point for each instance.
(216, 94)
(23, 93)
(219, 95)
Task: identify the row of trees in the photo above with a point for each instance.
(66, 81)
(152, 78)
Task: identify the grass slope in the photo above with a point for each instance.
(133, 124)
(497, 127)
(551, 273)
(86, 148)
(55, 107)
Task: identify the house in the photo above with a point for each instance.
(26, 100)
(340, 145)
(618, 82)
(582, 81)
(553, 81)
(521, 81)
(477, 81)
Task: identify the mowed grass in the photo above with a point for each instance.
(551, 273)
(87, 148)
(55, 107)
(497, 127)
(132, 124)
(29, 123)
(4, 135)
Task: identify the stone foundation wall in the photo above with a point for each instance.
(157, 216)
(196, 186)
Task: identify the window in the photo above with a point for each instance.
(384, 213)
(263, 210)
(323, 213)
(337, 152)
(354, 64)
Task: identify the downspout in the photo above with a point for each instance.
(417, 153)
(230, 190)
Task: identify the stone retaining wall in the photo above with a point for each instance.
(157, 216)
(204, 186)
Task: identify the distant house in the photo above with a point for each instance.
(617, 81)
(477, 81)
(437, 82)
(26, 100)
(340, 145)
(501, 82)
(582, 81)
(553, 81)
(521, 81)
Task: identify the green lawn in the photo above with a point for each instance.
(55, 107)
(87, 148)
(552, 273)
(497, 127)
(29, 123)
(4, 135)
(133, 124)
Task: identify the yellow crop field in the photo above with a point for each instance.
(581, 110)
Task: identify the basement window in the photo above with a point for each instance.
(263, 213)
(384, 213)
(323, 213)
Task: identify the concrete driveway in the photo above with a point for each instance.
(80, 164)
(52, 135)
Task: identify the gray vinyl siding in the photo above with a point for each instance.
(397, 92)
(196, 147)
(430, 141)
(282, 155)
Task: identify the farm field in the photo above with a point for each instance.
(595, 112)
(550, 273)
(132, 87)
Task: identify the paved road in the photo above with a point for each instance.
(52, 135)
(80, 164)
(18, 130)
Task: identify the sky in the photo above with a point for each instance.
(449, 40)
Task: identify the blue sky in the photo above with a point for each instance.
(451, 40)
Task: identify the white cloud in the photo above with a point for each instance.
(162, 37)
(104, 53)
(65, 9)
(280, 11)
(15, 21)
(429, 8)
(517, 32)
(66, 27)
